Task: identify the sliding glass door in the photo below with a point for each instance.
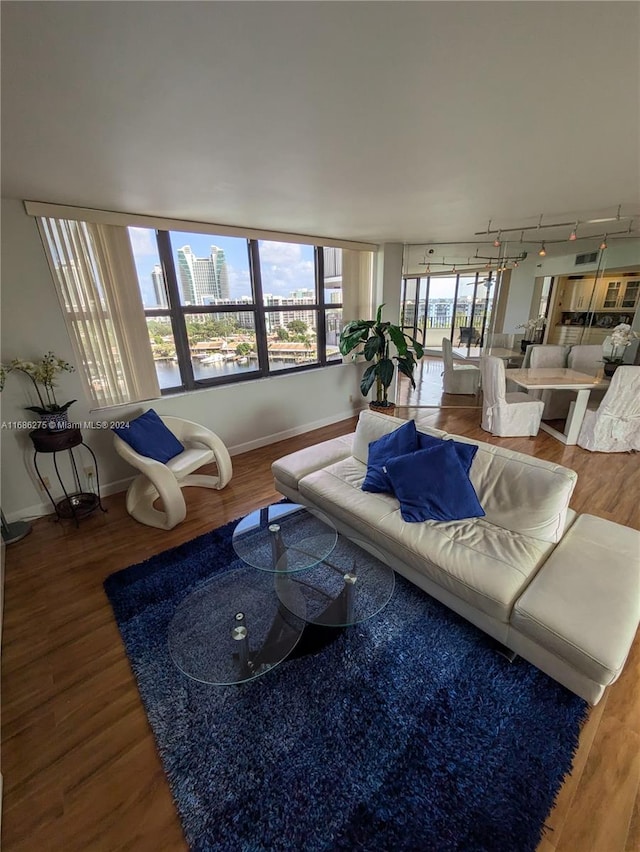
(457, 306)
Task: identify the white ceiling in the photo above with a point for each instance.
(376, 121)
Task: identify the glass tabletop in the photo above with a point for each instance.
(284, 538)
(233, 628)
(348, 587)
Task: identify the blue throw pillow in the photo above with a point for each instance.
(432, 485)
(397, 443)
(149, 436)
(466, 452)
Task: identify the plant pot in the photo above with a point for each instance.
(54, 421)
(610, 367)
(382, 408)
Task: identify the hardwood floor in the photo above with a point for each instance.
(81, 772)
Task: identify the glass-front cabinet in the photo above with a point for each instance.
(630, 294)
(612, 294)
(621, 294)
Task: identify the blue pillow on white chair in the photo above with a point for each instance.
(148, 436)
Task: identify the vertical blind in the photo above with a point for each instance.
(94, 269)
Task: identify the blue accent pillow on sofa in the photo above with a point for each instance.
(466, 452)
(149, 436)
(432, 485)
(397, 443)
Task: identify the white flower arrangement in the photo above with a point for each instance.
(42, 374)
(533, 325)
(621, 337)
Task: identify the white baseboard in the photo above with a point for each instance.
(291, 433)
(38, 510)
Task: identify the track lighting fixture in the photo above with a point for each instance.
(543, 226)
(542, 251)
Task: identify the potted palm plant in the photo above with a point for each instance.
(372, 339)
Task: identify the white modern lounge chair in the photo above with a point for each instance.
(165, 480)
(614, 427)
(506, 415)
(458, 378)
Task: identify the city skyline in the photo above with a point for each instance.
(285, 267)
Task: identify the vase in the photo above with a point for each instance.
(54, 421)
(610, 367)
(524, 344)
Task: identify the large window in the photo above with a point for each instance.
(222, 309)
(153, 309)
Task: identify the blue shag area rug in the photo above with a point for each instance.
(408, 732)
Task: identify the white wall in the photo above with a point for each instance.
(246, 415)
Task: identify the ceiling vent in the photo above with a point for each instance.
(589, 257)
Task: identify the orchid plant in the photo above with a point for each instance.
(532, 326)
(42, 374)
(621, 337)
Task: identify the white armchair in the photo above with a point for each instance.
(458, 378)
(165, 480)
(506, 415)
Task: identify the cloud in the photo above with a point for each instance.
(239, 282)
(280, 253)
(286, 267)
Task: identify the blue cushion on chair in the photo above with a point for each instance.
(149, 436)
(432, 485)
(397, 443)
(466, 452)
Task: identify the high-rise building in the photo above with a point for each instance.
(204, 280)
(159, 290)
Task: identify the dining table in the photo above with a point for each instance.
(536, 379)
(509, 356)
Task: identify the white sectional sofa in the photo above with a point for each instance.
(561, 591)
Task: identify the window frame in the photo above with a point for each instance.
(176, 313)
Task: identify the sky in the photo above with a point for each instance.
(285, 266)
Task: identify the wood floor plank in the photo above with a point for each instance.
(81, 771)
(557, 818)
(599, 822)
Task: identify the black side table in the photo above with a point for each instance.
(77, 504)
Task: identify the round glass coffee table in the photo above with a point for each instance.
(350, 586)
(240, 624)
(284, 538)
(233, 628)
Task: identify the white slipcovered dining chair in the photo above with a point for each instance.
(546, 355)
(614, 426)
(506, 415)
(556, 402)
(458, 378)
(165, 480)
(587, 358)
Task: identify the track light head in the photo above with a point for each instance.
(603, 244)
(542, 251)
(573, 235)
(497, 242)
